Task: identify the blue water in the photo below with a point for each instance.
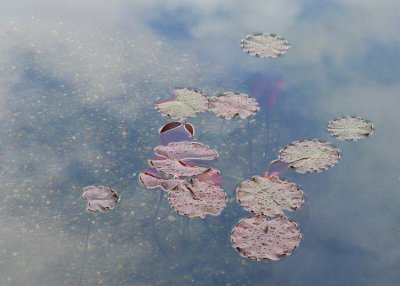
(78, 83)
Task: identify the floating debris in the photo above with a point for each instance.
(269, 196)
(309, 156)
(185, 103)
(264, 45)
(186, 151)
(259, 239)
(152, 179)
(100, 198)
(349, 128)
(198, 199)
(176, 167)
(231, 104)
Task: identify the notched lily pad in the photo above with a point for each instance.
(269, 196)
(186, 103)
(231, 104)
(198, 199)
(176, 167)
(186, 151)
(259, 239)
(309, 156)
(154, 180)
(264, 45)
(100, 198)
(350, 128)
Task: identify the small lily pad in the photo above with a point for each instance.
(264, 45)
(186, 103)
(231, 104)
(269, 196)
(259, 239)
(186, 150)
(198, 199)
(350, 128)
(100, 198)
(310, 156)
(176, 167)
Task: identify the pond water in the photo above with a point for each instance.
(78, 83)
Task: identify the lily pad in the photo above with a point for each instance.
(269, 196)
(198, 199)
(211, 175)
(176, 132)
(309, 156)
(276, 169)
(259, 239)
(186, 150)
(264, 45)
(186, 103)
(154, 180)
(176, 167)
(350, 128)
(100, 198)
(231, 104)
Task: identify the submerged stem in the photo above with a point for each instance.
(85, 252)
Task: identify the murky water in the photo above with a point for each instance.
(78, 83)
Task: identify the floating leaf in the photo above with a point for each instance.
(176, 167)
(269, 196)
(187, 103)
(153, 180)
(259, 239)
(197, 199)
(186, 150)
(176, 132)
(212, 175)
(276, 169)
(100, 198)
(264, 45)
(350, 128)
(230, 104)
(309, 156)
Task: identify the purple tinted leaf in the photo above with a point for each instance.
(186, 151)
(153, 180)
(176, 132)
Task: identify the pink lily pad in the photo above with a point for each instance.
(212, 175)
(100, 198)
(154, 180)
(269, 196)
(176, 167)
(186, 150)
(197, 199)
(309, 156)
(259, 239)
(231, 104)
(276, 169)
(264, 45)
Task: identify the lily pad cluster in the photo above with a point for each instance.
(187, 102)
(193, 190)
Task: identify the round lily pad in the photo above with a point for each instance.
(309, 156)
(259, 239)
(269, 196)
(186, 150)
(231, 104)
(198, 199)
(264, 45)
(100, 198)
(350, 128)
(186, 103)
